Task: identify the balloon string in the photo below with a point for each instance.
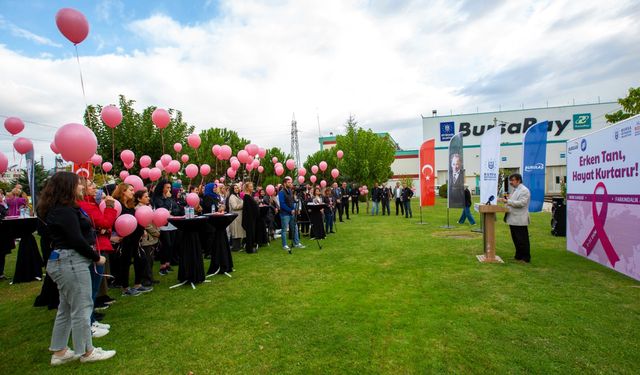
(84, 96)
(113, 146)
(162, 139)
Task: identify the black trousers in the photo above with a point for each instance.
(345, 205)
(340, 208)
(400, 206)
(354, 205)
(386, 207)
(520, 237)
(127, 252)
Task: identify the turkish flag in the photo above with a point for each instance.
(427, 173)
(84, 169)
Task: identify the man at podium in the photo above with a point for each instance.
(518, 217)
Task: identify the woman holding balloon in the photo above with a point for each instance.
(129, 244)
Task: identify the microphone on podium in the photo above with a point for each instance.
(491, 198)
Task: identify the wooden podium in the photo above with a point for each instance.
(488, 212)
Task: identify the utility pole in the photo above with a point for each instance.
(295, 146)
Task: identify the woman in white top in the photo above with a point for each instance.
(235, 206)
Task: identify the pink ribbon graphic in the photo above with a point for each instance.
(598, 232)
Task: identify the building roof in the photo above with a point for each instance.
(516, 110)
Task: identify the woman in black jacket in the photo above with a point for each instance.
(249, 218)
(162, 199)
(72, 240)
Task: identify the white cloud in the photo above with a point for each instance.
(388, 62)
(26, 34)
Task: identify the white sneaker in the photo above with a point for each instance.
(98, 354)
(68, 356)
(98, 332)
(100, 325)
(299, 246)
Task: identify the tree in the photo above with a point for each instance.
(367, 155)
(328, 155)
(136, 133)
(630, 107)
(41, 177)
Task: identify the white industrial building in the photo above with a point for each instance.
(566, 122)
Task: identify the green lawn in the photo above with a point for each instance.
(385, 295)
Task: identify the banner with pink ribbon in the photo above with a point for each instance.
(603, 196)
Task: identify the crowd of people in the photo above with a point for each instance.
(86, 257)
(382, 195)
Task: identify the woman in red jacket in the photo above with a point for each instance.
(102, 223)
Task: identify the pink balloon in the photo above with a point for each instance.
(249, 166)
(111, 116)
(274, 160)
(314, 169)
(194, 140)
(106, 166)
(231, 173)
(177, 147)
(193, 199)
(184, 158)
(252, 149)
(145, 161)
(124, 175)
(255, 163)
(260, 169)
(323, 166)
(300, 180)
(129, 166)
(127, 156)
(159, 165)
(23, 145)
(243, 156)
(161, 216)
(290, 164)
(191, 170)
(96, 160)
(160, 118)
(313, 179)
(222, 179)
(54, 148)
(76, 143)
(235, 164)
(323, 183)
(165, 159)
(144, 172)
(174, 166)
(335, 173)
(225, 152)
(14, 125)
(134, 181)
(302, 171)
(205, 169)
(125, 225)
(279, 171)
(278, 165)
(4, 163)
(117, 206)
(72, 24)
(155, 174)
(215, 150)
(144, 215)
(262, 152)
(339, 154)
(270, 190)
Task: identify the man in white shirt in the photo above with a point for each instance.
(397, 194)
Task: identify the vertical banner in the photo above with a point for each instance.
(534, 162)
(455, 185)
(603, 198)
(427, 178)
(84, 169)
(31, 176)
(490, 165)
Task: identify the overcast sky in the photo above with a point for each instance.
(249, 65)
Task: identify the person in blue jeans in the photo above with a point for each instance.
(288, 213)
(407, 193)
(466, 211)
(328, 212)
(376, 194)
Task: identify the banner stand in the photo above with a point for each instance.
(481, 229)
(448, 226)
(421, 222)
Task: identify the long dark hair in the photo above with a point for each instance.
(60, 190)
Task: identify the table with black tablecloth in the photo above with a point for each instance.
(221, 260)
(29, 262)
(191, 266)
(316, 218)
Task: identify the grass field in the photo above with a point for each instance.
(385, 295)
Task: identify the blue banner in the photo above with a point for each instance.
(534, 163)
